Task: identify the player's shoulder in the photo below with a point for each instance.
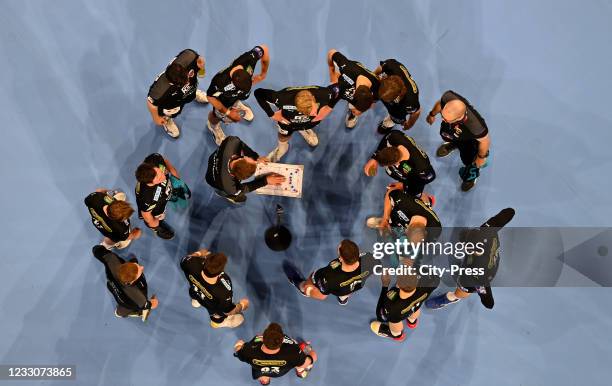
(450, 95)
(225, 281)
(393, 294)
(94, 198)
(398, 196)
(391, 63)
(257, 52)
(289, 340)
(335, 264)
(186, 57)
(154, 158)
(161, 85)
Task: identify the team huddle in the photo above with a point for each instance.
(407, 210)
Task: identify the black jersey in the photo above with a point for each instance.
(221, 86)
(284, 100)
(409, 103)
(113, 229)
(271, 365)
(154, 198)
(396, 309)
(349, 72)
(218, 174)
(417, 164)
(404, 207)
(131, 296)
(217, 298)
(331, 279)
(170, 98)
(473, 128)
(487, 261)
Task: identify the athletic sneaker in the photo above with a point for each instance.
(278, 152)
(171, 128)
(131, 315)
(343, 300)
(195, 303)
(373, 222)
(231, 321)
(385, 125)
(201, 96)
(164, 231)
(445, 149)
(217, 132)
(412, 326)
(294, 276)
(439, 301)
(467, 185)
(248, 113)
(310, 137)
(382, 330)
(351, 120)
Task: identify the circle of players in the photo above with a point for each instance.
(293, 109)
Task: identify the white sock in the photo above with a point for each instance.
(451, 296)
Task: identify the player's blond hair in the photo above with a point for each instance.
(304, 100)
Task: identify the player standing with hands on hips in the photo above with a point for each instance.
(230, 86)
(462, 128)
(273, 354)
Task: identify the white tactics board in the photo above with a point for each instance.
(292, 187)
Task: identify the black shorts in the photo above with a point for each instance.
(414, 185)
(398, 114)
(289, 129)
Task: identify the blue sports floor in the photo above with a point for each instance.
(74, 76)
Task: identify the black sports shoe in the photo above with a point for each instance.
(445, 149)
(293, 275)
(164, 230)
(467, 185)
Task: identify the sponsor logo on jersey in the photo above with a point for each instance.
(402, 215)
(355, 278)
(158, 191)
(347, 79)
(270, 362)
(335, 264)
(391, 294)
(229, 87)
(301, 119)
(226, 284)
(289, 107)
(98, 221)
(415, 303)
